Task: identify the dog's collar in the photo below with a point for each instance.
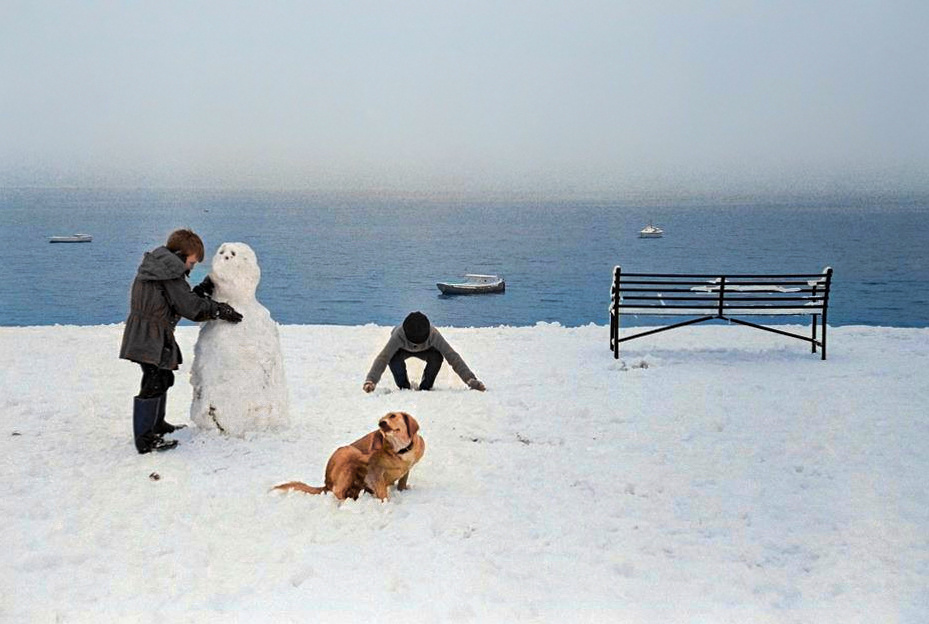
(405, 450)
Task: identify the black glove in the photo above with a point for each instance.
(226, 312)
(204, 288)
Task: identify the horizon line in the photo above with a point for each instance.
(759, 195)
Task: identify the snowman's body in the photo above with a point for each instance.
(238, 371)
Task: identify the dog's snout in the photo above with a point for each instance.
(383, 426)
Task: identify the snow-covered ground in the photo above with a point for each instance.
(714, 474)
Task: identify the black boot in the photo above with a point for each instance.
(144, 415)
(161, 426)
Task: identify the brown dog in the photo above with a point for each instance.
(373, 462)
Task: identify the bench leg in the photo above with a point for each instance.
(614, 336)
(612, 330)
(824, 337)
(815, 319)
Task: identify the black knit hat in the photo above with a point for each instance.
(416, 327)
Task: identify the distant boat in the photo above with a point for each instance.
(474, 284)
(651, 231)
(73, 238)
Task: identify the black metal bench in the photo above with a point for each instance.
(709, 297)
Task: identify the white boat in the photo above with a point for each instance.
(474, 284)
(73, 238)
(651, 231)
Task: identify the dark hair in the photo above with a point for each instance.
(185, 242)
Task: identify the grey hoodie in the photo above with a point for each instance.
(399, 341)
(160, 296)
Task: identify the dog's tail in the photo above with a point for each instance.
(299, 486)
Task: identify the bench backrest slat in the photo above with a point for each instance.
(729, 276)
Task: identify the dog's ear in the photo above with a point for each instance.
(377, 441)
(411, 425)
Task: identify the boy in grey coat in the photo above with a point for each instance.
(160, 296)
(417, 338)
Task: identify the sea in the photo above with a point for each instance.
(360, 259)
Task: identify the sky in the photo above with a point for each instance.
(582, 98)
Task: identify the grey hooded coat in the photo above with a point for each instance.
(398, 340)
(160, 296)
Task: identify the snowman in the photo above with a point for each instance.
(238, 371)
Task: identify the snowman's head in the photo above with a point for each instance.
(235, 272)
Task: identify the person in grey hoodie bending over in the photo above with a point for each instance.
(417, 338)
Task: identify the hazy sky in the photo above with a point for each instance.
(560, 98)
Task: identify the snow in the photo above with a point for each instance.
(714, 474)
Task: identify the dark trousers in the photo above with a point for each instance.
(148, 409)
(433, 361)
(155, 381)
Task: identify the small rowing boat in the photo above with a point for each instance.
(474, 284)
(73, 238)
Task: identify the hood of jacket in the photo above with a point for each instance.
(161, 264)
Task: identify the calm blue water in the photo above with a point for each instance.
(357, 261)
